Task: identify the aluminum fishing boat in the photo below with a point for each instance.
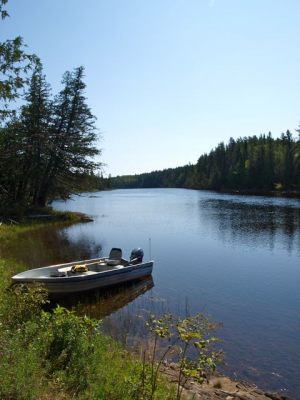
(91, 274)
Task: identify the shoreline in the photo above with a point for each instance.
(220, 386)
(291, 194)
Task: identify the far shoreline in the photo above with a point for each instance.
(292, 194)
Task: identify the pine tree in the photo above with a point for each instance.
(72, 137)
(35, 123)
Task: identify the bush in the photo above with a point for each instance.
(69, 345)
(20, 375)
(117, 375)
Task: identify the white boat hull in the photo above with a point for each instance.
(83, 281)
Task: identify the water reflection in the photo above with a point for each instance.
(50, 245)
(101, 303)
(123, 309)
(253, 224)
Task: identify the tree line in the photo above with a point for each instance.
(47, 143)
(254, 163)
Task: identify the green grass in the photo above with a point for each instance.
(61, 355)
(10, 231)
(57, 354)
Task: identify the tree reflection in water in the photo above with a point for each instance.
(49, 245)
(252, 224)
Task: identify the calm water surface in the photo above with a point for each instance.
(237, 258)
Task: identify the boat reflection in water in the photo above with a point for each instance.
(102, 303)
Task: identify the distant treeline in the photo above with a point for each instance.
(250, 163)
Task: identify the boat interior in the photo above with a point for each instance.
(114, 261)
(90, 268)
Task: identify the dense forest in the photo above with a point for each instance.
(256, 163)
(47, 143)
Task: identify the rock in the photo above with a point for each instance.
(219, 387)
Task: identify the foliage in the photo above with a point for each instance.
(22, 303)
(20, 374)
(15, 64)
(118, 375)
(48, 146)
(183, 335)
(53, 353)
(171, 177)
(56, 354)
(68, 342)
(251, 163)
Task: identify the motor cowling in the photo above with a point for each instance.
(136, 256)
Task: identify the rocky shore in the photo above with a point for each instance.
(219, 388)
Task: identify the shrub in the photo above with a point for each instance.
(69, 345)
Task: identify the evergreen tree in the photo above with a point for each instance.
(35, 126)
(46, 150)
(288, 160)
(72, 138)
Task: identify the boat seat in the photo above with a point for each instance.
(115, 257)
(57, 274)
(65, 269)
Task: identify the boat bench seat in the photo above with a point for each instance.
(93, 269)
(65, 269)
(73, 274)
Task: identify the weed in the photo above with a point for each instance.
(182, 335)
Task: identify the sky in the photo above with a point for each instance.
(170, 79)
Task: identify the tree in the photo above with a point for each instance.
(35, 125)
(288, 159)
(47, 145)
(9, 167)
(15, 64)
(46, 149)
(72, 136)
(297, 159)
(24, 142)
(249, 163)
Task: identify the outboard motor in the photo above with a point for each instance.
(136, 256)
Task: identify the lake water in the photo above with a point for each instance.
(236, 258)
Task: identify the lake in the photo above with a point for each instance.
(235, 258)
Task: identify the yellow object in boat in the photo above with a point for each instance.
(79, 268)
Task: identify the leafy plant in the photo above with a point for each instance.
(21, 303)
(69, 343)
(191, 340)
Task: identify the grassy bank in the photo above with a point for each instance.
(51, 353)
(46, 355)
(15, 225)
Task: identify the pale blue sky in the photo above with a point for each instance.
(169, 79)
